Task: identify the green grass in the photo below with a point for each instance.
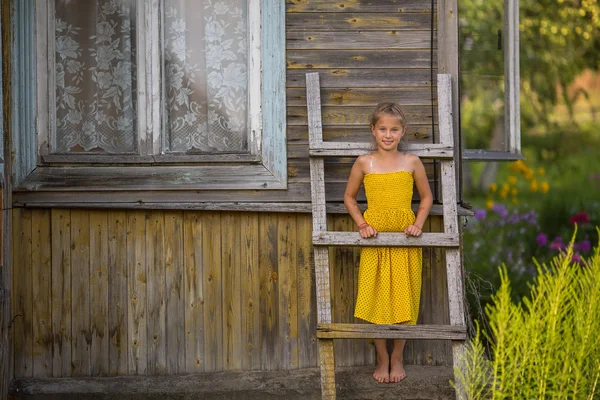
(544, 347)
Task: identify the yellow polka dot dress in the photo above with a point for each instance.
(389, 279)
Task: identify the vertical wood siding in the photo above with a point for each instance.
(107, 293)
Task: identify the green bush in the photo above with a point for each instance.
(545, 347)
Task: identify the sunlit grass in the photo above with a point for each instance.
(545, 347)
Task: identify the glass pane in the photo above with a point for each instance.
(95, 76)
(482, 74)
(206, 79)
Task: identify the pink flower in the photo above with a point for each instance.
(576, 258)
(579, 218)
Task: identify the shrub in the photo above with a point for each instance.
(546, 346)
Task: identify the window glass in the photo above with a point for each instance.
(206, 76)
(95, 76)
(481, 47)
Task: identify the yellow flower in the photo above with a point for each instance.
(503, 194)
(533, 186)
(505, 188)
(528, 174)
(514, 191)
(489, 204)
(514, 167)
(512, 180)
(541, 171)
(514, 200)
(493, 187)
(544, 187)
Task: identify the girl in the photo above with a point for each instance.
(389, 279)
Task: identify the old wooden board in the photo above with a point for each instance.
(117, 293)
(42, 300)
(359, 58)
(99, 361)
(194, 292)
(385, 239)
(340, 331)
(80, 295)
(61, 292)
(174, 292)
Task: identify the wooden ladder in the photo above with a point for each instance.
(449, 239)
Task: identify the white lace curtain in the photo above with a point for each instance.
(204, 70)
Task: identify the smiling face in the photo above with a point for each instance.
(387, 131)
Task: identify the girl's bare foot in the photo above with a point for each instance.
(382, 374)
(397, 372)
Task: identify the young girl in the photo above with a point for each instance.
(389, 280)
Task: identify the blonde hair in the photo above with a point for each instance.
(392, 109)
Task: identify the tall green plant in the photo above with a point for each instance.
(547, 346)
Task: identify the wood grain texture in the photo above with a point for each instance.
(232, 290)
(363, 21)
(117, 293)
(61, 293)
(348, 115)
(288, 289)
(137, 275)
(363, 78)
(307, 316)
(269, 291)
(194, 292)
(360, 58)
(213, 289)
(41, 288)
(99, 361)
(339, 331)
(174, 292)
(386, 239)
(156, 296)
(363, 97)
(81, 335)
(250, 275)
(22, 305)
(392, 39)
(342, 6)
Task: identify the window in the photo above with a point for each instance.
(489, 79)
(164, 94)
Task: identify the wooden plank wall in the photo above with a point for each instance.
(365, 52)
(107, 293)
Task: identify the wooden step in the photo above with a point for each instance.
(373, 331)
(354, 149)
(385, 239)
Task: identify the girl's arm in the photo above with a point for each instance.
(424, 190)
(352, 187)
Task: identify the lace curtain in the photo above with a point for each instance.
(204, 76)
(205, 60)
(95, 76)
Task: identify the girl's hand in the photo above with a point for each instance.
(413, 230)
(367, 231)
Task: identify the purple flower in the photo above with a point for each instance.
(584, 246)
(479, 214)
(542, 239)
(576, 257)
(500, 209)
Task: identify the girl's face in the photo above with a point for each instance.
(387, 132)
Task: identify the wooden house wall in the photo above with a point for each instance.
(124, 292)
(106, 293)
(365, 52)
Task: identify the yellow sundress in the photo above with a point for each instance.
(389, 279)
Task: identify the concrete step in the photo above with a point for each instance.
(353, 383)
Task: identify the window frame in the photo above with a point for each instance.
(266, 156)
(512, 106)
